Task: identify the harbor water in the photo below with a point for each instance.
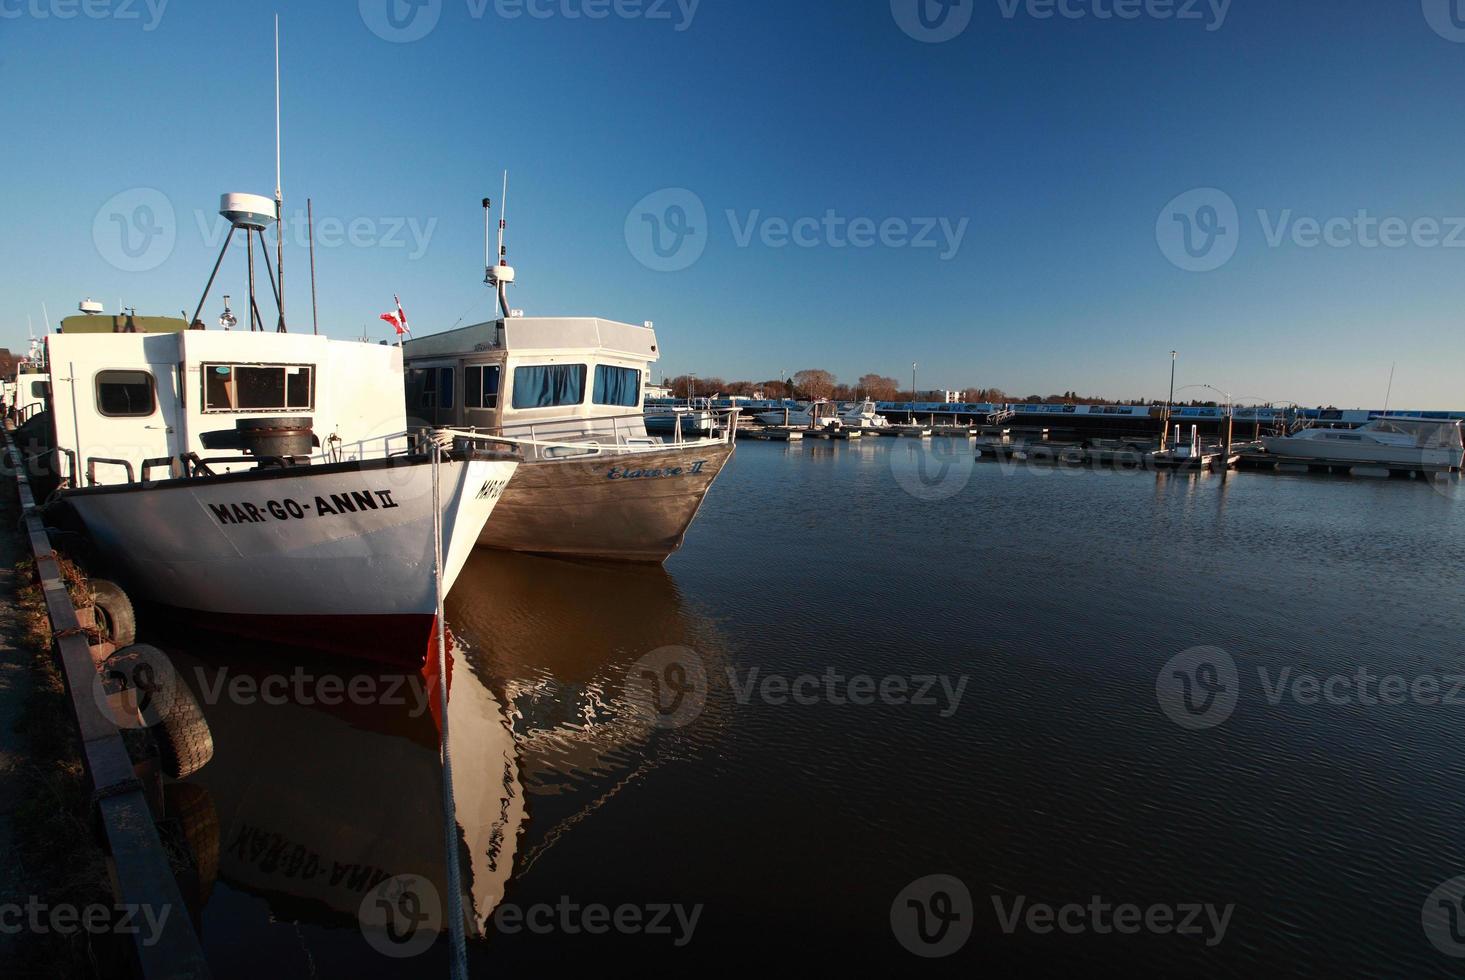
(1236, 701)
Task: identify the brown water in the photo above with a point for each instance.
(1058, 762)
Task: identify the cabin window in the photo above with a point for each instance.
(258, 387)
(617, 386)
(40, 389)
(428, 397)
(549, 385)
(125, 394)
(445, 387)
(481, 386)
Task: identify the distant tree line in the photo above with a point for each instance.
(819, 383)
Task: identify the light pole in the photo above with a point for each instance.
(913, 392)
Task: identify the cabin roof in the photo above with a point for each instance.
(534, 334)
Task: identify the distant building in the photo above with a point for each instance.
(658, 391)
(942, 395)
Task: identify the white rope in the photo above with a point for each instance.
(459, 962)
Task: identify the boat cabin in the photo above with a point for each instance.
(26, 395)
(131, 406)
(572, 380)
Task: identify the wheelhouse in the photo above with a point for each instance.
(557, 379)
(129, 407)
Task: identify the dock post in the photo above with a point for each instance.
(1226, 442)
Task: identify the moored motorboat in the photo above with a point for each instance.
(1391, 443)
(567, 394)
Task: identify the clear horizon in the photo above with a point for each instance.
(1024, 194)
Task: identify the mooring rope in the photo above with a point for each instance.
(459, 962)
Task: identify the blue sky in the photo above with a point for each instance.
(1022, 189)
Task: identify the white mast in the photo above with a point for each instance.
(279, 197)
(501, 274)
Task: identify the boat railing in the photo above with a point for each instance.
(621, 442)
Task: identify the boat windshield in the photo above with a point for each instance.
(1424, 434)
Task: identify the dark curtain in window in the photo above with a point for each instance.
(617, 386)
(473, 387)
(549, 385)
(445, 388)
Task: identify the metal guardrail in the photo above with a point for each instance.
(143, 876)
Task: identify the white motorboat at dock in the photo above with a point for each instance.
(1388, 443)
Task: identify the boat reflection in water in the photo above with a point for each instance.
(326, 780)
(559, 638)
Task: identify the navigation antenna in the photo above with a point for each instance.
(497, 272)
(1388, 395)
(279, 198)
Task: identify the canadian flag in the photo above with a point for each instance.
(398, 319)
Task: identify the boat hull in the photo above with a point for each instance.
(338, 556)
(633, 507)
(1337, 453)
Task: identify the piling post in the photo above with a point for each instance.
(1226, 441)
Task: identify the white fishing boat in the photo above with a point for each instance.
(1393, 443)
(261, 482)
(567, 394)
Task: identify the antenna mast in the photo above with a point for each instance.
(499, 274)
(1388, 395)
(279, 198)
